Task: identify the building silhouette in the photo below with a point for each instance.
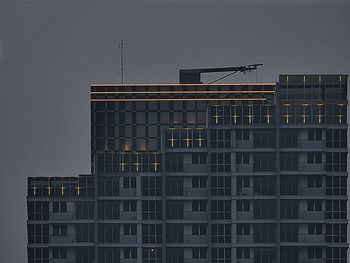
(195, 173)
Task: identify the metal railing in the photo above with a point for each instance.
(62, 260)
(312, 215)
(245, 239)
(196, 239)
(62, 238)
(195, 192)
(196, 215)
(62, 216)
(305, 238)
(312, 260)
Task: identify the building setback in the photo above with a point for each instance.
(196, 173)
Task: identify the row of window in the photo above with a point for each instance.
(334, 161)
(221, 138)
(176, 255)
(221, 185)
(312, 87)
(152, 233)
(334, 209)
(335, 138)
(313, 114)
(142, 106)
(220, 209)
(61, 186)
(131, 131)
(242, 114)
(126, 144)
(186, 138)
(169, 117)
(220, 162)
(39, 210)
(290, 114)
(129, 162)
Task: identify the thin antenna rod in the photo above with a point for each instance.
(121, 46)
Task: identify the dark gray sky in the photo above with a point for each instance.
(51, 50)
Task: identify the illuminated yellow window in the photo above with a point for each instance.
(234, 115)
(287, 115)
(217, 116)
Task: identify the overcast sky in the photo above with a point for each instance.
(51, 50)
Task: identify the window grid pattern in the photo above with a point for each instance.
(129, 162)
(220, 162)
(61, 186)
(241, 114)
(186, 138)
(220, 138)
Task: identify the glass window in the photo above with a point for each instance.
(199, 182)
(221, 209)
(199, 229)
(151, 209)
(242, 134)
(130, 253)
(130, 229)
(152, 233)
(221, 233)
(199, 253)
(220, 162)
(221, 185)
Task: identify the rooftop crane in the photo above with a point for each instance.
(193, 76)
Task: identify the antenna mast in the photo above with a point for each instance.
(121, 46)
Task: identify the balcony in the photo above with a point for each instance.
(245, 260)
(128, 216)
(195, 168)
(244, 168)
(304, 191)
(312, 238)
(307, 167)
(195, 260)
(245, 144)
(62, 239)
(62, 216)
(312, 260)
(312, 215)
(129, 260)
(196, 215)
(128, 239)
(245, 239)
(196, 239)
(127, 192)
(304, 167)
(245, 215)
(245, 191)
(62, 260)
(309, 191)
(306, 144)
(261, 192)
(196, 192)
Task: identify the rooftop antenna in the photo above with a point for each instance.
(121, 46)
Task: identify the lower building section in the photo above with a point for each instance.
(130, 219)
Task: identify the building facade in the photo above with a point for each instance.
(196, 173)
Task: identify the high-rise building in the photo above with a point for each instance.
(195, 173)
